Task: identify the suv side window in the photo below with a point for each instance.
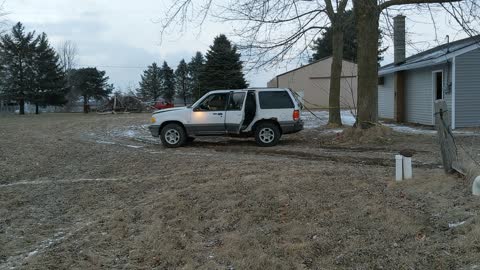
(275, 100)
(214, 102)
(235, 102)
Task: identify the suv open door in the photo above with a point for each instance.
(235, 113)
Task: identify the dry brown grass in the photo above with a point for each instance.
(375, 134)
(230, 205)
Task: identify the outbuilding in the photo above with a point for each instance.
(409, 87)
(312, 83)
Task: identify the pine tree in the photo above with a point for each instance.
(223, 69)
(17, 68)
(182, 86)
(50, 82)
(196, 68)
(322, 47)
(151, 84)
(168, 82)
(91, 83)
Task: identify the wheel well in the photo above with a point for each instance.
(274, 121)
(171, 122)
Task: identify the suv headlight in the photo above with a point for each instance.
(153, 120)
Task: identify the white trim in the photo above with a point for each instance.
(454, 91)
(434, 91)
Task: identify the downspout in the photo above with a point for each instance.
(454, 91)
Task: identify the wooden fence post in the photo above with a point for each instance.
(445, 136)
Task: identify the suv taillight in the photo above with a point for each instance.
(296, 115)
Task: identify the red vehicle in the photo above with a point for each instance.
(162, 104)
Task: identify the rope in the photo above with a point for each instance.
(300, 99)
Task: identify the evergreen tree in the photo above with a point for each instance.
(91, 83)
(223, 69)
(50, 84)
(17, 67)
(196, 68)
(322, 47)
(168, 82)
(151, 84)
(182, 86)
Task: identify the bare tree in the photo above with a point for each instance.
(337, 17)
(68, 53)
(274, 31)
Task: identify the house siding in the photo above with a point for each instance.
(467, 89)
(386, 98)
(419, 96)
(420, 93)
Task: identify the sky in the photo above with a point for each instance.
(123, 37)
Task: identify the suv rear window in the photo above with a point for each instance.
(275, 100)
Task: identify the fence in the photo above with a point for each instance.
(29, 108)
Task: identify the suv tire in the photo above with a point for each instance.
(173, 136)
(267, 134)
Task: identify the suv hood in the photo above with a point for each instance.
(170, 110)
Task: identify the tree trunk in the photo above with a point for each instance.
(85, 104)
(334, 118)
(185, 100)
(36, 108)
(367, 15)
(22, 106)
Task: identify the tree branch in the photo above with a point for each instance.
(391, 3)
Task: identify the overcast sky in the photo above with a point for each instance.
(122, 37)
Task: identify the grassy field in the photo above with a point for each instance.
(97, 191)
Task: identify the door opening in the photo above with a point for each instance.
(438, 85)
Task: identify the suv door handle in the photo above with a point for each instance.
(218, 114)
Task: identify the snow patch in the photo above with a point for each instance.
(105, 142)
(453, 225)
(134, 146)
(317, 119)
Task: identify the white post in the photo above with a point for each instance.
(476, 186)
(398, 167)
(407, 168)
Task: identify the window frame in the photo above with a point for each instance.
(198, 109)
(243, 101)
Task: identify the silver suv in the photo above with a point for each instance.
(264, 113)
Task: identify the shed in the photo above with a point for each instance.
(312, 83)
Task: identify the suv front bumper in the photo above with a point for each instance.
(291, 127)
(155, 130)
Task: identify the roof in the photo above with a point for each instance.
(247, 89)
(438, 55)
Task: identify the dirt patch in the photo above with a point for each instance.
(75, 194)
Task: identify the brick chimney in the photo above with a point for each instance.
(399, 39)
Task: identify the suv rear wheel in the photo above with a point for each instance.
(267, 134)
(173, 136)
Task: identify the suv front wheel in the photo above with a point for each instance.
(173, 136)
(267, 134)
